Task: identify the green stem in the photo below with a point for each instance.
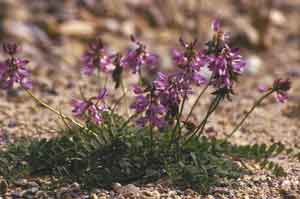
(196, 102)
(210, 110)
(39, 101)
(177, 125)
(128, 120)
(151, 138)
(258, 102)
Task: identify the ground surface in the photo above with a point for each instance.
(54, 37)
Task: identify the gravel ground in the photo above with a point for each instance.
(56, 66)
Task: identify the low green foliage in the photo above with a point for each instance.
(122, 153)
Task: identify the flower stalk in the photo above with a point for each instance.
(45, 105)
(257, 103)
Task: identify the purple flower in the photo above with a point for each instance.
(131, 60)
(140, 104)
(154, 115)
(79, 107)
(151, 61)
(147, 104)
(198, 79)
(96, 113)
(216, 25)
(102, 94)
(13, 70)
(281, 97)
(262, 88)
(178, 57)
(96, 57)
(11, 48)
(281, 87)
(137, 89)
(91, 107)
(136, 58)
(172, 89)
(226, 67)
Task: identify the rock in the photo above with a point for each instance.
(246, 28)
(29, 193)
(289, 194)
(75, 187)
(150, 194)
(128, 28)
(68, 195)
(33, 184)
(94, 196)
(277, 17)
(77, 28)
(112, 25)
(285, 185)
(210, 197)
(21, 182)
(41, 195)
(294, 71)
(222, 190)
(129, 190)
(254, 63)
(61, 192)
(117, 187)
(3, 186)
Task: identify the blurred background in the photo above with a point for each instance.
(53, 35)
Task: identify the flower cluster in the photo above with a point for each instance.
(91, 107)
(147, 102)
(13, 69)
(280, 88)
(170, 90)
(136, 58)
(190, 62)
(97, 57)
(224, 62)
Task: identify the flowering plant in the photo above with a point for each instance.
(160, 103)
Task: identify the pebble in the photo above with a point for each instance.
(75, 187)
(254, 64)
(21, 182)
(32, 184)
(77, 28)
(94, 196)
(41, 195)
(150, 194)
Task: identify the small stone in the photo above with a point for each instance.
(117, 187)
(77, 28)
(210, 197)
(285, 185)
(289, 194)
(32, 184)
(68, 195)
(132, 188)
(150, 195)
(21, 182)
(41, 195)
(75, 187)
(277, 17)
(61, 192)
(254, 63)
(94, 196)
(3, 186)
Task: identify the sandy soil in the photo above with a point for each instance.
(54, 49)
